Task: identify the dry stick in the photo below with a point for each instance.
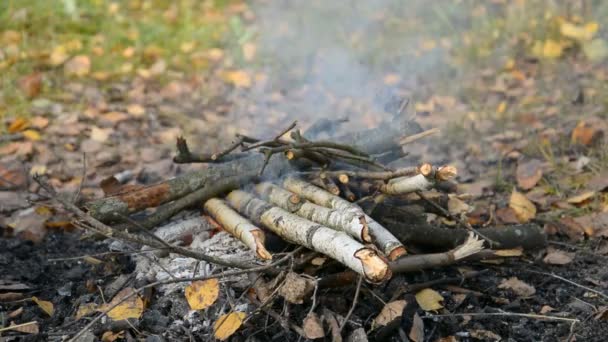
(232, 147)
(418, 136)
(13, 327)
(386, 242)
(106, 230)
(508, 314)
(272, 141)
(173, 281)
(295, 229)
(352, 307)
(570, 282)
(235, 224)
(346, 221)
(418, 262)
(343, 175)
(461, 220)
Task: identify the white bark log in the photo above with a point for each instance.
(383, 239)
(252, 236)
(349, 222)
(295, 229)
(405, 185)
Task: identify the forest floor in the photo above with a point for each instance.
(521, 104)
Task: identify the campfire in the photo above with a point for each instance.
(337, 198)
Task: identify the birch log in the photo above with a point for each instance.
(241, 228)
(425, 180)
(347, 221)
(295, 229)
(383, 239)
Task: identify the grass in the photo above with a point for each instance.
(121, 38)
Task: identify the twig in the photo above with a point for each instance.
(273, 141)
(570, 282)
(380, 175)
(508, 314)
(173, 281)
(84, 175)
(410, 139)
(461, 221)
(232, 147)
(13, 327)
(352, 307)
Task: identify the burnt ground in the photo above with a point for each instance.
(496, 116)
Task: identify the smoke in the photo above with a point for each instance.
(338, 59)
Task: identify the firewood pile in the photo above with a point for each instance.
(293, 200)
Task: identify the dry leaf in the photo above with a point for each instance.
(558, 257)
(595, 224)
(26, 328)
(578, 32)
(429, 300)
(417, 332)
(31, 134)
(58, 55)
(528, 174)
(201, 294)
(312, 326)
(519, 287)
(31, 84)
(136, 110)
(100, 134)
(586, 133)
(296, 288)
(133, 307)
(227, 325)
(115, 117)
(579, 199)
(11, 176)
(110, 336)
(456, 206)
(238, 78)
(85, 310)
(545, 309)
(46, 306)
(509, 252)
(390, 312)
(552, 49)
(485, 335)
(18, 125)
(78, 66)
(524, 209)
(15, 313)
(39, 122)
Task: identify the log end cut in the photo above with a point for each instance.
(376, 270)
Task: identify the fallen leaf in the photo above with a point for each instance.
(519, 287)
(558, 257)
(552, 49)
(31, 134)
(506, 216)
(579, 199)
(238, 78)
(39, 122)
(485, 335)
(85, 310)
(598, 183)
(509, 252)
(429, 300)
(595, 224)
(78, 66)
(227, 325)
(528, 174)
(578, 32)
(58, 55)
(26, 328)
(31, 84)
(416, 334)
(524, 209)
(201, 294)
(136, 110)
(11, 176)
(18, 125)
(100, 134)
(132, 307)
(46, 306)
(390, 312)
(456, 206)
(115, 117)
(110, 336)
(15, 313)
(28, 224)
(296, 287)
(572, 228)
(545, 309)
(312, 326)
(586, 133)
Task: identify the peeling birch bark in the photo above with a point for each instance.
(426, 179)
(383, 239)
(347, 221)
(295, 229)
(252, 236)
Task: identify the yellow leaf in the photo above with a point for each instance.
(46, 306)
(78, 66)
(202, 294)
(524, 209)
(136, 110)
(502, 106)
(509, 252)
(110, 336)
(132, 307)
(429, 300)
(227, 324)
(581, 198)
(18, 125)
(58, 55)
(249, 50)
(552, 49)
(238, 78)
(31, 134)
(85, 310)
(578, 32)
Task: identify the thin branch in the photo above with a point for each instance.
(507, 314)
(352, 307)
(410, 139)
(570, 282)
